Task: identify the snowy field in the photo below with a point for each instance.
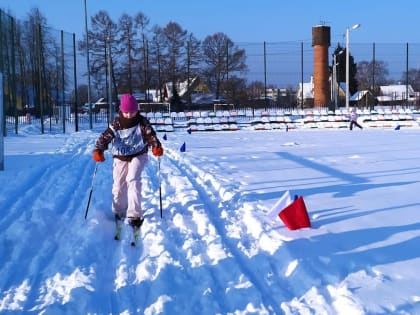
(215, 251)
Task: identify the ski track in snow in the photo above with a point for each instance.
(210, 240)
(145, 279)
(270, 288)
(204, 231)
(45, 229)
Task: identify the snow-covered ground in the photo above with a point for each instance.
(215, 251)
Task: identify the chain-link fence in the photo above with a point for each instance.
(43, 70)
(40, 74)
(287, 64)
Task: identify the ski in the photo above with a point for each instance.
(136, 224)
(136, 235)
(118, 227)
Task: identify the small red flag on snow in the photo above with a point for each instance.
(295, 216)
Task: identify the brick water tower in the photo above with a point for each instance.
(321, 42)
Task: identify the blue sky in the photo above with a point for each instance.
(246, 20)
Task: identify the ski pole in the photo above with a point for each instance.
(160, 190)
(91, 189)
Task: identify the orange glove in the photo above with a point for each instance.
(98, 156)
(157, 151)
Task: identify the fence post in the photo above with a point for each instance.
(63, 97)
(76, 98)
(41, 85)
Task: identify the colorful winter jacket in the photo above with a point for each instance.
(129, 137)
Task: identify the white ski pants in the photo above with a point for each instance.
(126, 188)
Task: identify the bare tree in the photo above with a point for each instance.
(173, 38)
(413, 78)
(222, 58)
(43, 63)
(127, 49)
(157, 62)
(135, 47)
(255, 89)
(102, 36)
(234, 90)
(141, 22)
(371, 75)
(192, 60)
(23, 65)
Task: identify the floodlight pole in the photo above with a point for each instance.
(355, 26)
(110, 105)
(88, 69)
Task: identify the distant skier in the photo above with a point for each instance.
(131, 135)
(353, 119)
(28, 114)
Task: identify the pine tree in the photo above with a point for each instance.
(176, 103)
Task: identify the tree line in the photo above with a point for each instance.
(128, 54)
(132, 55)
(142, 57)
(370, 75)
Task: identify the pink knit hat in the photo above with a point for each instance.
(128, 104)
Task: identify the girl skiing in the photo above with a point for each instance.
(131, 135)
